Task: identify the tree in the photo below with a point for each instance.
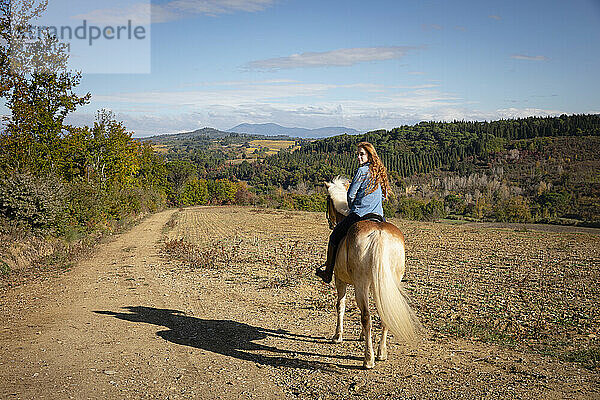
(178, 174)
(195, 192)
(222, 191)
(115, 154)
(37, 88)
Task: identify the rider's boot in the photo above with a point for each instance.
(327, 273)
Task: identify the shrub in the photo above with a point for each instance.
(455, 204)
(84, 204)
(309, 202)
(420, 210)
(513, 209)
(222, 191)
(195, 192)
(37, 201)
(243, 196)
(553, 204)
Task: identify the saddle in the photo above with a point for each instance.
(372, 217)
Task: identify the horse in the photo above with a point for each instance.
(371, 256)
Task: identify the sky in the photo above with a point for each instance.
(363, 65)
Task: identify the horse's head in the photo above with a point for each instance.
(337, 203)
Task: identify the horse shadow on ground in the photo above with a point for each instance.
(230, 338)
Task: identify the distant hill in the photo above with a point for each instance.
(204, 133)
(275, 129)
(210, 134)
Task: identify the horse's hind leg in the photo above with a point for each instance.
(382, 349)
(340, 307)
(362, 299)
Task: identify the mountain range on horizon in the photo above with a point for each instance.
(271, 129)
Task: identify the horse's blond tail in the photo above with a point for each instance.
(390, 298)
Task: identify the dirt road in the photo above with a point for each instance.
(129, 322)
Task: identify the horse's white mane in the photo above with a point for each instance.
(337, 190)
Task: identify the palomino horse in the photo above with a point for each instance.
(370, 256)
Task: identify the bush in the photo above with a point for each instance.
(309, 202)
(195, 192)
(390, 207)
(552, 204)
(455, 204)
(222, 191)
(84, 205)
(420, 210)
(36, 201)
(243, 196)
(513, 209)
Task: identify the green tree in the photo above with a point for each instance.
(222, 191)
(115, 153)
(37, 88)
(195, 192)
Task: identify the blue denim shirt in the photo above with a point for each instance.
(358, 201)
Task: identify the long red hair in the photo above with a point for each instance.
(379, 175)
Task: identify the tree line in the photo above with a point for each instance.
(537, 168)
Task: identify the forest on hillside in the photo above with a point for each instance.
(537, 169)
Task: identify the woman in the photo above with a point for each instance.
(366, 193)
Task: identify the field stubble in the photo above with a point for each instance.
(535, 291)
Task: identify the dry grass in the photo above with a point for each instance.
(259, 240)
(531, 290)
(274, 145)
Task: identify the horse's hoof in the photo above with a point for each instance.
(382, 358)
(369, 365)
(337, 339)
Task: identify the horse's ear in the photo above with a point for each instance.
(328, 184)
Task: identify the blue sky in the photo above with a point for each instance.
(364, 65)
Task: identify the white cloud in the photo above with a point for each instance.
(357, 115)
(182, 8)
(140, 13)
(496, 17)
(280, 93)
(529, 58)
(526, 112)
(225, 104)
(222, 105)
(340, 57)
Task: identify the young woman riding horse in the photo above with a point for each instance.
(371, 255)
(366, 193)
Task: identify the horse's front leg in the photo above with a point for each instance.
(340, 307)
(382, 349)
(362, 300)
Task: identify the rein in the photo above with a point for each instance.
(327, 213)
